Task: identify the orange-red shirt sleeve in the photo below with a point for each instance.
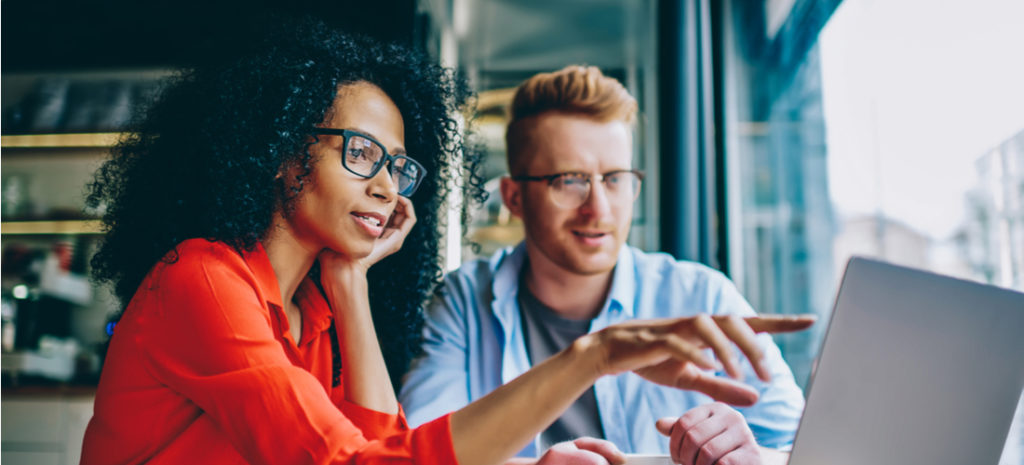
(209, 337)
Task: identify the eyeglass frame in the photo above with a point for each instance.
(387, 158)
(551, 178)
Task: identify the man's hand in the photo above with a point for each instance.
(582, 451)
(711, 434)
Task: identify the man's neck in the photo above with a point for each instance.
(570, 295)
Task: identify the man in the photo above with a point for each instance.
(572, 184)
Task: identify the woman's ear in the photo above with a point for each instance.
(512, 196)
(286, 170)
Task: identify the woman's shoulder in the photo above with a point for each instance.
(200, 272)
(198, 259)
(206, 248)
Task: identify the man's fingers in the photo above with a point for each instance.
(720, 445)
(698, 414)
(664, 425)
(745, 338)
(677, 429)
(605, 448)
(780, 323)
(742, 456)
(695, 439)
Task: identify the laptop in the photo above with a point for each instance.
(916, 368)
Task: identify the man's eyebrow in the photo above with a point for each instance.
(398, 151)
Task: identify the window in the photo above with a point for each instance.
(891, 129)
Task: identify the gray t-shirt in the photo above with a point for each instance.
(546, 334)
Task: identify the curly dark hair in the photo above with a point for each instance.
(201, 162)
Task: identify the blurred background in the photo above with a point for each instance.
(779, 137)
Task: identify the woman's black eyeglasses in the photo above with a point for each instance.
(363, 156)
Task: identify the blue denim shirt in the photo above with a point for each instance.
(473, 343)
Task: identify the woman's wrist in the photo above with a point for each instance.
(587, 353)
(341, 275)
(343, 288)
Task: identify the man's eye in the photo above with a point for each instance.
(355, 153)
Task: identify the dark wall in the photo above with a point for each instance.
(40, 35)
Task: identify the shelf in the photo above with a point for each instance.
(507, 234)
(496, 98)
(83, 140)
(52, 227)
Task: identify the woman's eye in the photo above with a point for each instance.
(355, 153)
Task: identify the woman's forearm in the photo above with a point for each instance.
(363, 369)
(669, 352)
(500, 424)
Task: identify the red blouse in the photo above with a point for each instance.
(202, 369)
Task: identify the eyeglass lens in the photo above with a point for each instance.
(362, 157)
(572, 190)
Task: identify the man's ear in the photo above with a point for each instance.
(512, 196)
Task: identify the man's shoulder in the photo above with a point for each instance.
(475, 279)
(660, 266)
(473, 271)
(672, 287)
(482, 270)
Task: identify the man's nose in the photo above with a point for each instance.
(597, 203)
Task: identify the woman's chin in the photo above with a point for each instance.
(354, 251)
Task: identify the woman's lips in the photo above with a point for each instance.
(372, 223)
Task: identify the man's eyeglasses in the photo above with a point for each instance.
(570, 190)
(363, 156)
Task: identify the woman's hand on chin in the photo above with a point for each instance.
(395, 231)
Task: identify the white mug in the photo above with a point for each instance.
(648, 459)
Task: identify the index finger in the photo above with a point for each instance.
(407, 208)
(780, 323)
(724, 389)
(404, 216)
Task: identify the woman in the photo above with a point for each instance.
(244, 217)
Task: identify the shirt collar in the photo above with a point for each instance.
(508, 263)
(259, 264)
(316, 312)
(623, 291)
(506, 267)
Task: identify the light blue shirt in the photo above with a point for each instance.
(473, 343)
